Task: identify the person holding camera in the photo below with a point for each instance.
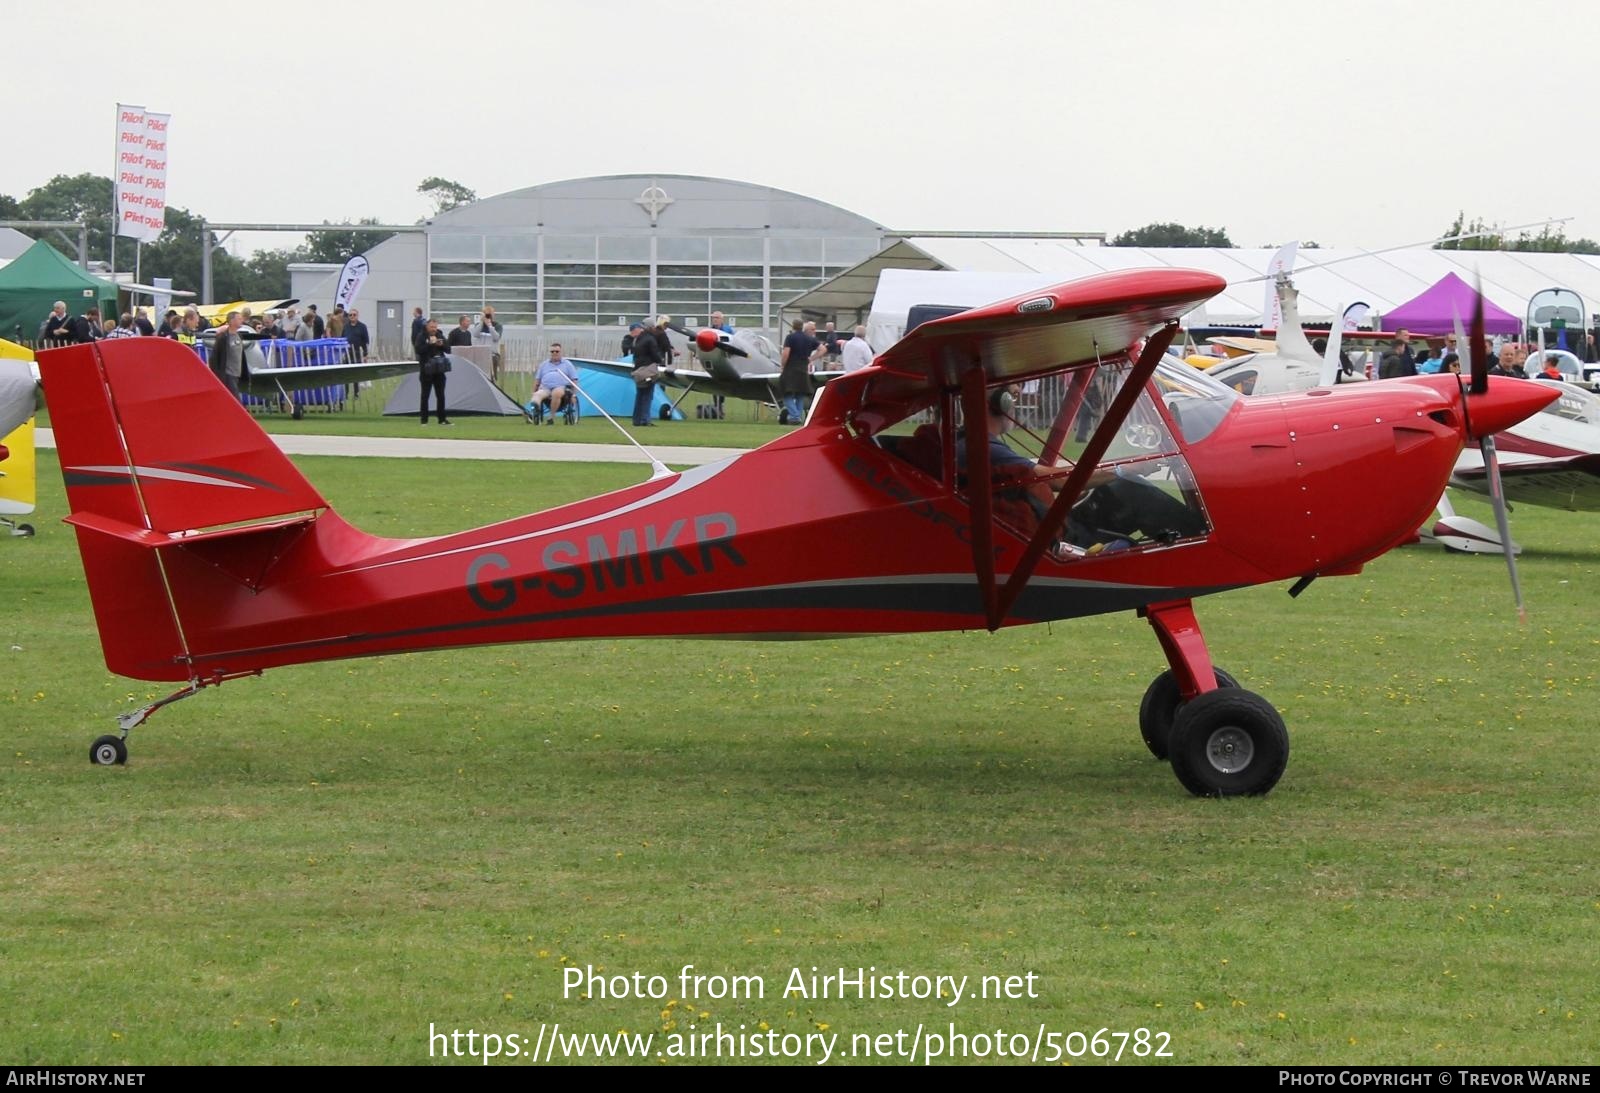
(434, 366)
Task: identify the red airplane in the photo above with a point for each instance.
(210, 557)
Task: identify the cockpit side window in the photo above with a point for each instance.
(1141, 493)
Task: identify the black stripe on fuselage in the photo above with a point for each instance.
(1038, 603)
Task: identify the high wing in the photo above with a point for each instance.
(1075, 324)
(264, 382)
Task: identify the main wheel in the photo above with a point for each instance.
(25, 530)
(1160, 706)
(108, 751)
(1229, 743)
(666, 413)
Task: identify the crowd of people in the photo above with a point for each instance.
(188, 326)
(804, 350)
(1516, 359)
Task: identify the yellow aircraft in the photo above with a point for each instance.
(214, 314)
(17, 477)
(1233, 346)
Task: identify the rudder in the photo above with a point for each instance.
(156, 453)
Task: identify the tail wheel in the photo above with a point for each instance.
(1229, 743)
(1160, 706)
(108, 751)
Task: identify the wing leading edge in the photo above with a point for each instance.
(1069, 325)
(1077, 322)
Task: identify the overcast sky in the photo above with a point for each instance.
(1273, 119)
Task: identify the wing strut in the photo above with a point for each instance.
(974, 414)
(1072, 488)
(1079, 387)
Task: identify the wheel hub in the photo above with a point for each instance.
(1229, 750)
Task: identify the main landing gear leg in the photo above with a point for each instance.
(1222, 740)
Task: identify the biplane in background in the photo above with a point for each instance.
(210, 557)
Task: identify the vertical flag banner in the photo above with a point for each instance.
(141, 180)
(163, 295)
(351, 278)
(1355, 315)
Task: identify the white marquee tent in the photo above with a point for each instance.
(995, 268)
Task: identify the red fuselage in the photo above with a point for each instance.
(820, 532)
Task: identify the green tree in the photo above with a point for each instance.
(1484, 237)
(85, 198)
(1479, 235)
(445, 194)
(1173, 235)
(267, 274)
(336, 246)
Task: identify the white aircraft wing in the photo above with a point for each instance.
(268, 381)
(16, 394)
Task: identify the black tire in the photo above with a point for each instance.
(25, 530)
(1160, 706)
(666, 413)
(108, 751)
(1229, 743)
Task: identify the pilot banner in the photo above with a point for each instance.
(141, 178)
(351, 278)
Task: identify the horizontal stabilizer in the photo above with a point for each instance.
(148, 437)
(105, 525)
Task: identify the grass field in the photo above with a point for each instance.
(316, 865)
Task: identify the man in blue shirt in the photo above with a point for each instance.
(556, 375)
(800, 348)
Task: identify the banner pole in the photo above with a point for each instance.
(116, 147)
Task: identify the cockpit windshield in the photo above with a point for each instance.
(1196, 402)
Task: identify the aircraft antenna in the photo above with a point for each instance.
(1407, 246)
(658, 469)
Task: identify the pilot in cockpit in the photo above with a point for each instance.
(1115, 511)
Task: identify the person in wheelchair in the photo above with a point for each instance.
(556, 387)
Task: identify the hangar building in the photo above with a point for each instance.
(587, 256)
